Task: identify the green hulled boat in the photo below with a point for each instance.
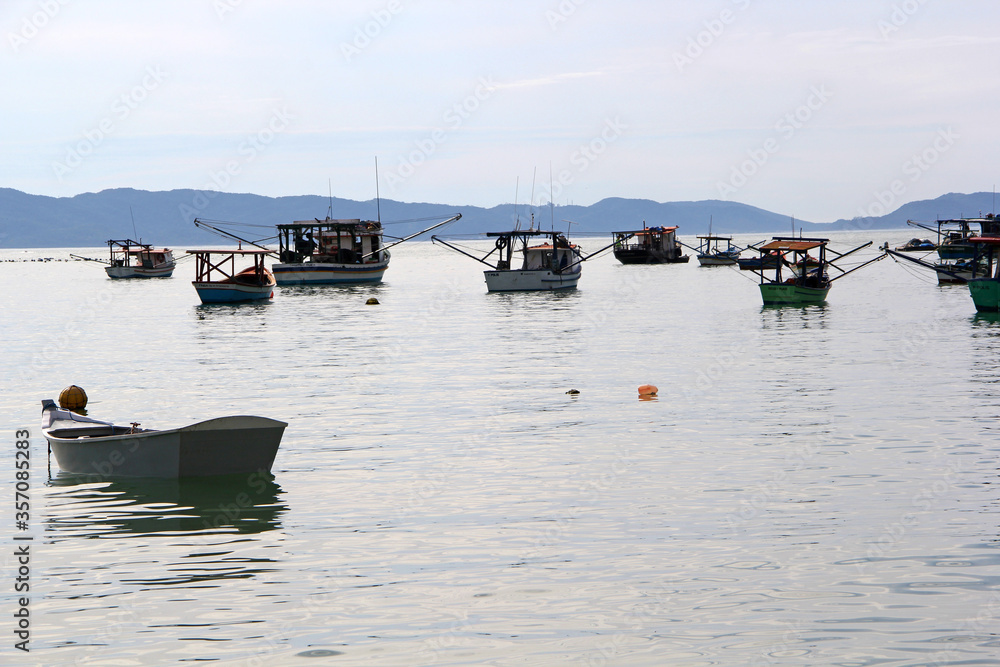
(779, 295)
(799, 278)
(985, 294)
(984, 286)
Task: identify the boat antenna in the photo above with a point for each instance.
(531, 202)
(552, 204)
(517, 217)
(329, 210)
(133, 225)
(378, 204)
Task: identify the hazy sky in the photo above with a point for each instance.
(816, 109)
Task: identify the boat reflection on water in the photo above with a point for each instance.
(79, 507)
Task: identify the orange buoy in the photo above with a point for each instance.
(73, 398)
(648, 390)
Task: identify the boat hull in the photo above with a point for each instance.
(952, 274)
(518, 280)
(956, 251)
(649, 257)
(778, 294)
(756, 264)
(328, 274)
(985, 294)
(232, 292)
(222, 446)
(139, 272)
(716, 260)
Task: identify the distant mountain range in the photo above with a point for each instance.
(165, 218)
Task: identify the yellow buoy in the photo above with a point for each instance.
(73, 398)
(371, 302)
(648, 390)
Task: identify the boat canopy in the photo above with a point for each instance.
(316, 222)
(796, 246)
(231, 251)
(992, 240)
(548, 246)
(649, 230)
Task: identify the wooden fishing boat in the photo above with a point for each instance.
(917, 245)
(948, 272)
(221, 446)
(649, 245)
(953, 234)
(330, 252)
(712, 252)
(958, 272)
(767, 261)
(131, 259)
(553, 264)
(805, 282)
(218, 281)
(335, 252)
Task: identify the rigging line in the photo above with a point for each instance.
(914, 271)
(919, 274)
(469, 248)
(399, 222)
(235, 224)
(736, 267)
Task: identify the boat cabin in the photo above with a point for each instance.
(129, 253)
(556, 255)
(649, 238)
(986, 263)
(984, 285)
(331, 241)
(219, 266)
(795, 254)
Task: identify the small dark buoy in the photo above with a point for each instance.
(371, 302)
(573, 392)
(73, 398)
(318, 653)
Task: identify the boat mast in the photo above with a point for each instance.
(133, 224)
(329, 210)
(517, 217)
(531, 202)
(552, 205)
(378, 206)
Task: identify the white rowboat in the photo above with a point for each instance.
(222, 446)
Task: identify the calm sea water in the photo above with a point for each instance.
(812, 485)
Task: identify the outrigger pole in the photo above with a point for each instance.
(845, 254)
(920, 262)
(595, 253)
(870, 261)
(457, 216)
(91, 259)
(911, 223)
(437, 239)
(204, 225)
